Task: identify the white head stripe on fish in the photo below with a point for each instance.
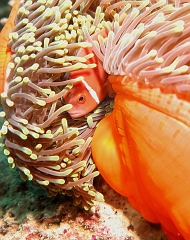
(92, 92)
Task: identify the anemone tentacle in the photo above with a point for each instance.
(148, 42)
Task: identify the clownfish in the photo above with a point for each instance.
(87, 94)
(5, 51)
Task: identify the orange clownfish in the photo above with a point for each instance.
(86, 95)
(5, 52)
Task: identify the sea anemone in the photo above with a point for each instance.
(147, 41)
(144, 153)
(41, 139)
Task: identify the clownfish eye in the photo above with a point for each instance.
(81, 98)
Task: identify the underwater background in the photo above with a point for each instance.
(4, 10)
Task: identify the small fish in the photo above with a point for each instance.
(86, 95)
(5, 51)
